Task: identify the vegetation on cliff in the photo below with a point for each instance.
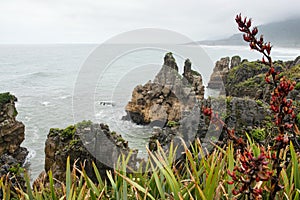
(6, 98)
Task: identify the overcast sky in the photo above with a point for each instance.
(94, 21)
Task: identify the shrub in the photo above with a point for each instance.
(84, 124)
(297, 87)
(258, 134)
(68, 132)
(298, 120)
(259, 103)
(172, 124)
(5, 98)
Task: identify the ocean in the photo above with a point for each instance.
(42, 77)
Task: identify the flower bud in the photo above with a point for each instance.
(254, 31)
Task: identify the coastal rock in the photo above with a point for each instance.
(235, 61)
(296, 61)
(244, 109)
(194, 79)
(12, 132)
(241, 114)
(248, 79)
(220, 71)
(12, 155)
(167, 97)
(84, 142)
(244, 114)
(235, 81)
(218, 78)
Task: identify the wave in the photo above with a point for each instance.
(67, 96)
(31, 155)
(45, 103)
(36, 74)
(281, 53)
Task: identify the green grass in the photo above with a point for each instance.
(297, 87)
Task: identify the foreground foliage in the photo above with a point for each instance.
(199, 176)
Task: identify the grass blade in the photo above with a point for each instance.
(113, 184)
(53, 195)
(29, 190)
(99, 179)
(136, 185)
(68, 178)
(295, 166)
(158, 182)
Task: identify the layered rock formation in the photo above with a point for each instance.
(12, 155)
(167, 97)
(11, 131)
(86, 143)
(239, 114)
(221, 70)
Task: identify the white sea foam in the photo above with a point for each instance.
(30, 156)
(45, 103)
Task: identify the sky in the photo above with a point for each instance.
(95, 21)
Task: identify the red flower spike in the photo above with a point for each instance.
(249, 23)
(261, 39)
(250, 168)
(268, 48)
(246, 38)
(272, 70)
(234, 192)
(267, 79)
(254, 31)
(252, 45)
(230, 182)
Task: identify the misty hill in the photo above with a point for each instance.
(284, 33)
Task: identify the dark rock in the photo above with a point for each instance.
(158, 123)
(187, 70)
(194, 80)
(296, 61)
(11, 131)
(235, 61)
(12, 155)
(169, 61)
(241, 114)
(85, 143)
